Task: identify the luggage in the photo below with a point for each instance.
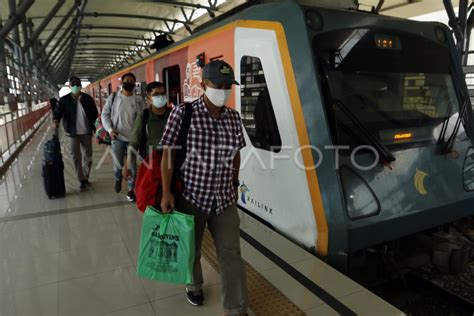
(53, 178)
(53, 168)
(166, 247)
(101, 134)
(52, 149)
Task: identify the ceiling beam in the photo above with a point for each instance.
(44, 23)
(210, 8)
(56, 30)
(137, 38)
(16, 30)
(125, 28)
(107, 43)
(95, 54)
(185, 23)
(92, 58)
(16, 18)
(63, 38)
(76, 33)
(100, 49)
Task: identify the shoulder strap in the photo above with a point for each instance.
(144, 132)
(188, 113)
(183, 136)
(112, 108)
(145, 117)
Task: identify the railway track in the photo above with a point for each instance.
(459, 287)
(429, 292)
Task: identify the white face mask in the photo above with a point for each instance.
(159, 101)
(218, 97)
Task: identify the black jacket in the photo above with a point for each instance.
(67, 110)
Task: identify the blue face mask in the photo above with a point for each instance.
(75, 89)
(159, 101)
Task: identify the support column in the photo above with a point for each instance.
(3, 74)
(27, 66)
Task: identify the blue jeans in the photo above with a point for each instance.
(120, 150)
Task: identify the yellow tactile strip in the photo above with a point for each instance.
(264, 298)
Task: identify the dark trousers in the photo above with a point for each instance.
(225, 230)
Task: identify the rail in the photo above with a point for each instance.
(16, 126)
(469, 75)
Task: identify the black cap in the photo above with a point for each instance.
(219, 72)
(74, 79)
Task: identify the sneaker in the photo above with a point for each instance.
(88, 184)
(131, 196)
(83, 186)
(118, 186)
(195, 298)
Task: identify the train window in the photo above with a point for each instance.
(258, 116)
(172, 82)
(400, 96)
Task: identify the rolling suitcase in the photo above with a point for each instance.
(53, 168)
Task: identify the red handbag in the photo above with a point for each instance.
(148, 184)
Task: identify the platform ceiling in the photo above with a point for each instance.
(123, 37)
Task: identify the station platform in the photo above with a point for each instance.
(77, 256)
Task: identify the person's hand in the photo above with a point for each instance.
(114, 134)
(55, 124)
(167, 203)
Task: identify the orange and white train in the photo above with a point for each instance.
(343, 113)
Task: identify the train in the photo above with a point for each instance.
(358, 125)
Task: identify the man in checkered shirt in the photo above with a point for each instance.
(210, 174)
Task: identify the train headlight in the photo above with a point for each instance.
(314, 20)
(440, 34)
(360, 199)
(468, 170)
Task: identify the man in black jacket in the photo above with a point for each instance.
(79, 112)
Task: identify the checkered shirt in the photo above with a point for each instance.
(211, 147)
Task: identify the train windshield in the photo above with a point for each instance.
(398, 86)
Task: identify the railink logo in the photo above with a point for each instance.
(243, 191)
(246, 197)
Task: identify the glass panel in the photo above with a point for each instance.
(258, 116)
(397, 85)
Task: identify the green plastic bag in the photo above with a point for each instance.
(166, 247)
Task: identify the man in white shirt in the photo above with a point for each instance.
(118, 118)
(78, 112)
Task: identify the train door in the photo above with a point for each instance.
(172, 82)
(271, 161)
(99, 97)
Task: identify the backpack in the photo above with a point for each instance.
(148, 184)
(101, 134)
